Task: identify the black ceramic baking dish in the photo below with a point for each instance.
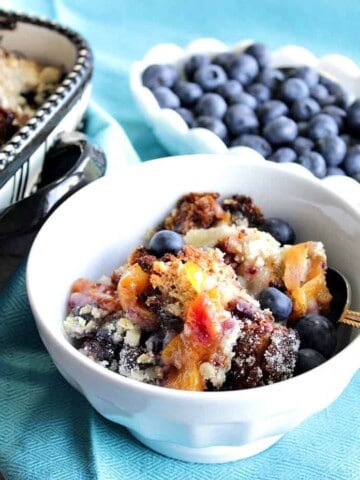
(47, 43)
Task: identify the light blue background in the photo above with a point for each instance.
(47, 430)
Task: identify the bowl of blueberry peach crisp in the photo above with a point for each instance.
(200, 317)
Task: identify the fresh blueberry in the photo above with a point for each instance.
(283, 155)
(322, 125)
(211, 105)
(260, 91)
(241, 119)
(166, 98)
(255, 142)
(304, 109)
(302, 145)
(314, 162)
(306, 73)
(333, 149)
(230, 90)
(317, 332)
(246, 99)
(188, 92)
(271, 77)
(194, 63)
(335, 171)
(293, 89)
(213, 124)
(352, 161)
(281, 230)
(337, 113)
(308, 359)
(272, 109)
(276, 301)
(260, 52)
(158, 75)
(187, 116)
(166, 241)
(224, 59)
(210, 77)
(319, 93)
(353, 118)
(244, 68)
(280, 130)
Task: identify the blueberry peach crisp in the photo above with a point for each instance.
(24, 86)
(286, 114)
(219, 297)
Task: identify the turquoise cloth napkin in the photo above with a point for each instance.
(47, 429)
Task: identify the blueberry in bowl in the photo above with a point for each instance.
(285, 98)
(247, 367)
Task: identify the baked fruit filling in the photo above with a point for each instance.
(24, 87)
(211, 301)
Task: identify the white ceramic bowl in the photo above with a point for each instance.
(178, 139)
(102, 223)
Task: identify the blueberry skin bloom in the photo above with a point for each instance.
(333, 149)
(314, 162)
(304, 109)
(335, 171)
(294, 89)
(244, 69)
(271, 109)
(308, 74)
(241, 119)
(230, 90)
(210, 77)
(302, 145)
(280, 130)
(322, 125)
(188, 92)
(260, 91)
(166, 241)
(186, 115)
(317, 332)
(213, 124)
(260, 52)
(283, 155)
(194, 63)
(276, 301)
(158, 75)
(212, 105)
(166, 98)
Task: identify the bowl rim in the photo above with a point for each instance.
(118, 380)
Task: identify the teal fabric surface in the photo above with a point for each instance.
(47, 429)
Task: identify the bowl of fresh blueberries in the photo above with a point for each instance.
(287, 105)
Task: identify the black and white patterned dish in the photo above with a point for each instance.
(50, 43)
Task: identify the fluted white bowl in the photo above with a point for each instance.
(178, 139)
(102, 223)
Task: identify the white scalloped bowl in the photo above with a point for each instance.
(178, 139)
(107, 219)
